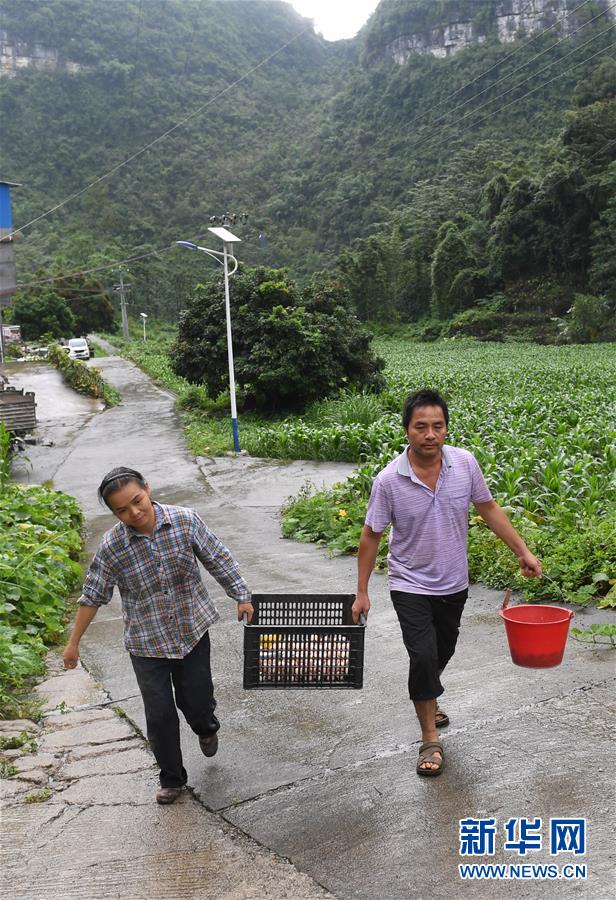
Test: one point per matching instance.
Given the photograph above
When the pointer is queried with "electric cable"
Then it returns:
(524, 65)
(259, 65)
(160, 137)
(518, 49)
(112, 265)
(120, 262)
(518, 99)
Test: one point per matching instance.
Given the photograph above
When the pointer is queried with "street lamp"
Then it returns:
(143, 318)
(228, 240)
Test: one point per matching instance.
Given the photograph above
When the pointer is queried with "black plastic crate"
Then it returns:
(303, 641)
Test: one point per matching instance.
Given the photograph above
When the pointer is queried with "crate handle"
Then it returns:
(362, 619)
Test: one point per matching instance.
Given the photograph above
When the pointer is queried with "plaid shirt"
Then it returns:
(165, 605)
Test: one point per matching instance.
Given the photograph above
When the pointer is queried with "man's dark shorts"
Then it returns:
(430, 626)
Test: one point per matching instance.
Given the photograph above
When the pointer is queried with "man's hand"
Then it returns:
(247, 608)
(71, 655)
(361, 605)
(530, 565)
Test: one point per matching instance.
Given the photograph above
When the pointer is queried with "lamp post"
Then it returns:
(228, 240)
(143, 318)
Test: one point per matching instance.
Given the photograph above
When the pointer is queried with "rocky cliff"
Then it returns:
(16, 55)
(442, 29)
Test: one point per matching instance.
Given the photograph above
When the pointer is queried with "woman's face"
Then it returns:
(132, 505)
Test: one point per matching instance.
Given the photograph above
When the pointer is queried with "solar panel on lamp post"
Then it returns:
(228, 240)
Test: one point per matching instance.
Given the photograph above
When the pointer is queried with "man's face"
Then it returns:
(132, 505)
(426, 432)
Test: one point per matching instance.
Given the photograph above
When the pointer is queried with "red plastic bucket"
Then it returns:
(537, 634)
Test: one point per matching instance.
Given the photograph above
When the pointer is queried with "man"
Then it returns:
(425, 494)
(151, 556)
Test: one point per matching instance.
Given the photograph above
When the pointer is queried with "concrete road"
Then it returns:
(327, 779)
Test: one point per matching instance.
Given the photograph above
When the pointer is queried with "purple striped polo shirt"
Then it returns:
(428, 539)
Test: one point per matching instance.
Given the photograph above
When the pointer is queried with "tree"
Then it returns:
(586, 320)
(291, 347)
(451, 256)
(603, 270)
(92, 312)
(43, 312)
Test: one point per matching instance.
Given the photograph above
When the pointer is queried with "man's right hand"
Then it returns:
(71, 656)
(361, 605)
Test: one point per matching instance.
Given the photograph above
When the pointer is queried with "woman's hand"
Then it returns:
(71, 655)
(247, 608)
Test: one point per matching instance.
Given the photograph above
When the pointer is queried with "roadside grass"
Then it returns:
(39, 796)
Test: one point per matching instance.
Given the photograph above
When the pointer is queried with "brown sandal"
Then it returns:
(442, 719)
(428, 753)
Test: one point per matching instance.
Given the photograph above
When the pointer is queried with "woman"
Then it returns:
(151, 556)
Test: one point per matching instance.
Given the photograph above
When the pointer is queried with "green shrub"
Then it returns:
(40, 544)
(291, 346)
(84, 379)
(588, 320)
(42, 311)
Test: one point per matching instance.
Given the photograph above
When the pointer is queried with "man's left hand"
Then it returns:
(247, 608)
(530, 565)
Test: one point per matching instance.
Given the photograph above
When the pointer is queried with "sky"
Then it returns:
(336, 19)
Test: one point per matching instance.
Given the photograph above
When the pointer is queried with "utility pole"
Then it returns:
(122, 288)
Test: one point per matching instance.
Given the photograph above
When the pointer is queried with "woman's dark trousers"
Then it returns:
(191, 680)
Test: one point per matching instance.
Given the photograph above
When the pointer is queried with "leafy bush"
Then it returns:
(42, 312)
(84, 379)
(596, 633)
(40, 543)
(589, 319)
(291, 347)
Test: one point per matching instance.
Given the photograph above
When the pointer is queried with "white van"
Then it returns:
(78, 348)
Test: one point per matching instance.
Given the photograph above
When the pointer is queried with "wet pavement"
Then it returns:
(327, 779)
(61, 413)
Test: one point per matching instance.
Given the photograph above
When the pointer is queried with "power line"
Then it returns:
(524, 81)
(84, 272)
(112, 265)
(117, 263)
(522, 46)
(524, 96)
(161, 136)
(500, 62)
(524, 65)
(267, 59)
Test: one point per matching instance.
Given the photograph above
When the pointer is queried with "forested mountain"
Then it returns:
(456, 155)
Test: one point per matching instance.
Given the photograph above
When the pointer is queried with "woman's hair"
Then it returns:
(117, 478)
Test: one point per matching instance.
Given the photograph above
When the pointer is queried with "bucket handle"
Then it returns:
(506, 598)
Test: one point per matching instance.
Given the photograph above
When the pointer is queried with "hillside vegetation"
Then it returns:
(478, 188)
